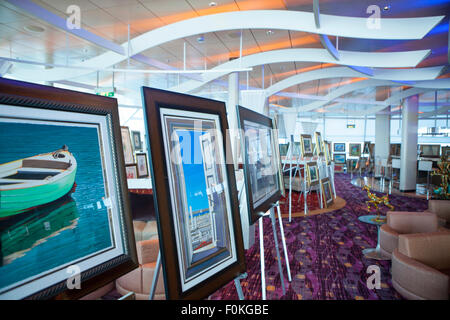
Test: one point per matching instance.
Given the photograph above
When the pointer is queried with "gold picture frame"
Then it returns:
(306, 145)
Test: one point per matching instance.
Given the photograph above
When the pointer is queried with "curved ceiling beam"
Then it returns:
(438, 84)
(392, 28)
(343, 72)
(365, 59)
(396, 97)
(343, 90)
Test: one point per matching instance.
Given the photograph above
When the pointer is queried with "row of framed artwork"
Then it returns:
(354, 148)
(136, 163)
(313, 179)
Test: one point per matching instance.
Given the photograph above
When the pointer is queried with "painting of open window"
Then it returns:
(261, 162)
(198, 221)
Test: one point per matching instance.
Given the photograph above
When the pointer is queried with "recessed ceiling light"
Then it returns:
(34, 29)
(387, 7)
(269, 32)
(212, 4)
(201, 39)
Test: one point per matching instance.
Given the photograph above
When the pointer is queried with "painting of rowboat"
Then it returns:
(52, 191)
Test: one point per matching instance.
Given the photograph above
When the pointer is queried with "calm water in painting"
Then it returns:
(71, 228)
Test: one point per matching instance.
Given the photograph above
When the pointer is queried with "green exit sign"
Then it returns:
(351, 126)
(106, 94)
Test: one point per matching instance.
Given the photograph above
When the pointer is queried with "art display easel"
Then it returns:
(237, 280)
(271, 213)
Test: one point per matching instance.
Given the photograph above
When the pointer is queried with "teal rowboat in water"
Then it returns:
(31, 182)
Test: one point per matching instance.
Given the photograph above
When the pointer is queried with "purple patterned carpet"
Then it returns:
(325, 253)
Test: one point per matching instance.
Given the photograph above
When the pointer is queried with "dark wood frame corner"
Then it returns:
(146, 163)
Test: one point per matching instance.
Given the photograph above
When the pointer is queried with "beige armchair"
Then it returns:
(402, 222)
(140, 280)
(442, 209)
(421, 266)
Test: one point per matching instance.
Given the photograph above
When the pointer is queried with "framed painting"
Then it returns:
(339, 147)
(261, 164)
(127, 145)
(132, 171)
(278, 156)
(312, 173)
(195, 193)
(430, 150)
(325, 185)
(142, 165)
(327, 152)
(340, 158)
(306, 145)
(137, 142)
(366, 148)
(320, 149)
(65, 221)
(354, 149)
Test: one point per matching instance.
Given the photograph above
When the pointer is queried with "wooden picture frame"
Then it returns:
(88, 128)
(340, 158)
(312, 173)
(203, 123)
(142, 165)
(306, 145)
(320, 148)
(327, 192)
(339, 147)
(261, 165)
(137, 141)
(128, 151)
(354, 149)
(132, 171)
(327, 152)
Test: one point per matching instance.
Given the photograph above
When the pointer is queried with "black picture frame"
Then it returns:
(137, 141)
(257, 210)
(339, 147)
(157, 105)
(142, 164)
(39, 105)
(338, 158)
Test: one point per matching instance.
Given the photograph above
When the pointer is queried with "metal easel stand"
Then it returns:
(271, 213)
(237, 282)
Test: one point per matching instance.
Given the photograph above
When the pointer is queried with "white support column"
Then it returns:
(248, 230)
(382, 135)
(408, 156)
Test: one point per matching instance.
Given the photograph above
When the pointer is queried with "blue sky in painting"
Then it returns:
(193, 169)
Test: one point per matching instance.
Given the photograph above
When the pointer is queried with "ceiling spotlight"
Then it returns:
(34, 29)
(201, 39)
(212, 4)
(269, 32)
(387, 7)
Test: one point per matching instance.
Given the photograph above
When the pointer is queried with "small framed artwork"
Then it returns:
(142, 165)
(127, 146)
(327, 146)
(64, 207)
(137, 142)
(339, 147)
(312, 173)
(366, 148)
(284, 149)
(306, 145)
(132, 172)
(262, 169)
(340, 158)
(194, 188)
(319, 144)
(354, 149)
(327, 193)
